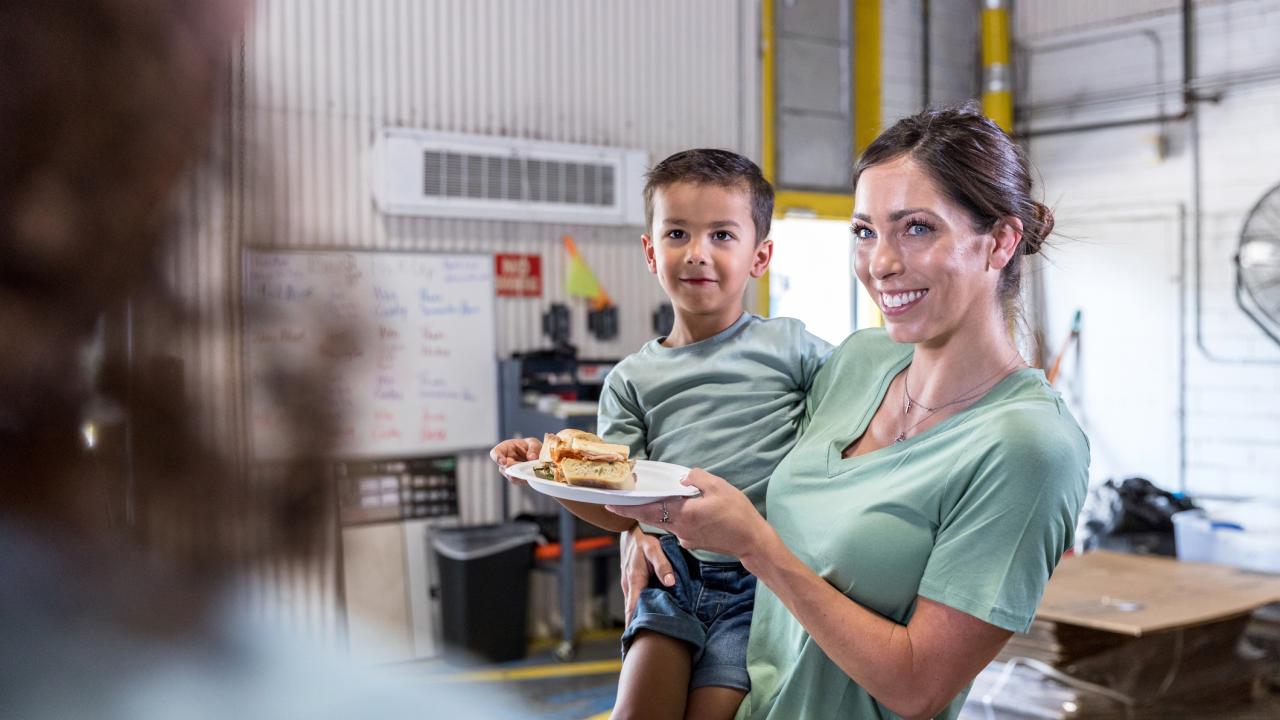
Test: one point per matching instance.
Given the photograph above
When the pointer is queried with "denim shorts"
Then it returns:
(709, 607)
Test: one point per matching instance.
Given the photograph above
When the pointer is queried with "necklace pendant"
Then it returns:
(901, 436)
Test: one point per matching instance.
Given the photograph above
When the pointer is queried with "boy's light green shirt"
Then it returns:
(732, 404)
(973, 513)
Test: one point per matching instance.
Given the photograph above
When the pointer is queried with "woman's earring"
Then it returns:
(988, 263)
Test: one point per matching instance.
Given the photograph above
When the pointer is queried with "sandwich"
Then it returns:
(576, 457)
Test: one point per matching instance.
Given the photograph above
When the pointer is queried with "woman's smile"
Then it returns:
(898, 302)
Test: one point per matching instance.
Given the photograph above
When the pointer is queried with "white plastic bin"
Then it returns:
(1193, 536)
(1245, 536)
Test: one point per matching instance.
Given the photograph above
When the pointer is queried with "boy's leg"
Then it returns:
(655, 678)
(712, 702)
(720, 680)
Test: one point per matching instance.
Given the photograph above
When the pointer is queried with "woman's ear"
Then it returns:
(1007, 234)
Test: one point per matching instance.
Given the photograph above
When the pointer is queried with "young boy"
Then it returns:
(725, 392)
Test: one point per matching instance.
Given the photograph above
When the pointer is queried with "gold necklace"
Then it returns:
(908, 402)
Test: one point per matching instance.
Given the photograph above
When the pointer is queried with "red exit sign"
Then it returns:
(517, 275)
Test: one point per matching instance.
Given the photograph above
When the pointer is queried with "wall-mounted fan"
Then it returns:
(1258, 264)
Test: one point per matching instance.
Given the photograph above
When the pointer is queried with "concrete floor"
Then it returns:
(547, 688)
(585, 687)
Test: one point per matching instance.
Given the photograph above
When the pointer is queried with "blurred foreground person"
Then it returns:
(118, 562)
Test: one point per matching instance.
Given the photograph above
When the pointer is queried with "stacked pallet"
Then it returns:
(1133, 636)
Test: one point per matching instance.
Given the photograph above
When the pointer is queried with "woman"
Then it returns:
(914, 525)
(120, 564)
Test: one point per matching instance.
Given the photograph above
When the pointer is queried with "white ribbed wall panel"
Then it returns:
(1043, 19)
(1039, 18)
(658, 75)
(1119, 204)
(316, 79)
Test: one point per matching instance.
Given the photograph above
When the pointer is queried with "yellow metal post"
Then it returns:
(768, 97)
(867, 33)
(827, 206)
(768, 127)
(866, 73)
(997, 96)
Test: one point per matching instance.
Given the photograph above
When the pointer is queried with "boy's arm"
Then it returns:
(618, 421)
(813, 352)
(598, 516)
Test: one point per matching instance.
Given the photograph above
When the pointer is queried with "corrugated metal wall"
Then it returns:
(316, 79)
(321, 77)
(954, 47)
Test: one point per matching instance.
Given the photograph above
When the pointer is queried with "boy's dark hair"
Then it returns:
(722, 168)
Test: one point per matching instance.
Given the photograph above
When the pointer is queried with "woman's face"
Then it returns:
(919, 257)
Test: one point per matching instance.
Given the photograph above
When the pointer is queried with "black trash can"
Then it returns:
(484, 586)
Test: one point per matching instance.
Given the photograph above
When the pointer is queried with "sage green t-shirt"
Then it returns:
(973, 513)
(732, 404)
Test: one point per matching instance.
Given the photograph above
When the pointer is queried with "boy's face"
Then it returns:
(703, 248)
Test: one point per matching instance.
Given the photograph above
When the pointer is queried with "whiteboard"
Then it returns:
(404, 344)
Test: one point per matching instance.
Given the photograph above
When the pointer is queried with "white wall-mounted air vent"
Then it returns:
(438, 174)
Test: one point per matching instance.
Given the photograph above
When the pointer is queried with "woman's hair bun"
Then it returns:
(1033, 238)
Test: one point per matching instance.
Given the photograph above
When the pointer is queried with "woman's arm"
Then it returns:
(914, 670)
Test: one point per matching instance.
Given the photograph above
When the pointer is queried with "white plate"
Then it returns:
(654, 481)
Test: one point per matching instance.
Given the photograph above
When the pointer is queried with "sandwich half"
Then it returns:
(596, 474)
(575, 457)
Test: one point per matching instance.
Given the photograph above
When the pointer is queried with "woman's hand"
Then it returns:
(639, 552)
(721, 520)
(510, 452)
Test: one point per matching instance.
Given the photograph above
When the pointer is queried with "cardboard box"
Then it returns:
(1142, 594)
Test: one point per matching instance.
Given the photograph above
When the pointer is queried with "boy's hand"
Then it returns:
(640, 551)
(510, 452)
